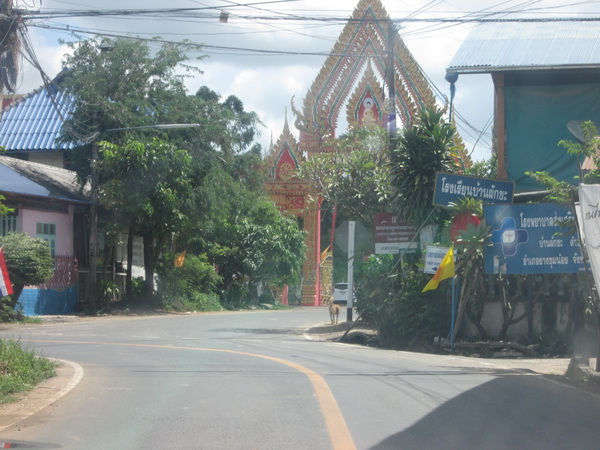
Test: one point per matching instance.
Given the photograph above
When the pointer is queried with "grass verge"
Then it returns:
(20, 370)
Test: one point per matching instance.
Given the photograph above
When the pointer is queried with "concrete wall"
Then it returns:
(492, 320)
(39, 302)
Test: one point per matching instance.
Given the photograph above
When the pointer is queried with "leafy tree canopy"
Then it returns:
(146, 186)
(245, 235)
(355, 176)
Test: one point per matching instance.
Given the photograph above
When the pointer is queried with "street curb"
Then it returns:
(68, 375)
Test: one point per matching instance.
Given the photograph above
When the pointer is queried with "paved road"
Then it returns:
(254, 381)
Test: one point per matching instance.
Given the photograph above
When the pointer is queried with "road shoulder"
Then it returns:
(68, 375)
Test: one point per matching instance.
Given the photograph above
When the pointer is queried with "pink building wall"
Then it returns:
(28, 219)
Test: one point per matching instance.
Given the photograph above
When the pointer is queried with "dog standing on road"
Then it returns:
(334, 312)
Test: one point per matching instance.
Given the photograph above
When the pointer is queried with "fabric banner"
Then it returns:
(5, 284)
(446, 270)
(589, 200)
(179, 259)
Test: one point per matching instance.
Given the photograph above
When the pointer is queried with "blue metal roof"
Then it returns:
(31, 179)
(508, 46)
(33, 122)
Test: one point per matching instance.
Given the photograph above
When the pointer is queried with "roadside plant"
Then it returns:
(376, 283)
(20, 369)
(191, 287)
(409, 319)
(28, 261)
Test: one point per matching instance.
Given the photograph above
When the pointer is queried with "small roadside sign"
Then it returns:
(434, 258)
(393, 235)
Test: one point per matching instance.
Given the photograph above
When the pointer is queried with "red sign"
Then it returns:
(393, 235)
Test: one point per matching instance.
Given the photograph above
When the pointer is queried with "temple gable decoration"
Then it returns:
(354, 74)
(285, 164)
(285, 189)
(365, 107)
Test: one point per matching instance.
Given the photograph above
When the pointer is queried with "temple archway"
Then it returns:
(353, 80)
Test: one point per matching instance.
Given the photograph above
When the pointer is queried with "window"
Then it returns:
(47, 231)
(8, 224)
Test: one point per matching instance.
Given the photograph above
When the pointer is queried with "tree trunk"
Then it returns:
(152, 251)
(128, 284)
(149, 263)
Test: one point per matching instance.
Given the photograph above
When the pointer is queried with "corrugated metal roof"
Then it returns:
(506, 46)
(32, 123)
(40, 180)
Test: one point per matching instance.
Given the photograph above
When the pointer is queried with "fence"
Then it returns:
(65, 273)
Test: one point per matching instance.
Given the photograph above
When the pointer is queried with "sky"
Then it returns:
(270, 51)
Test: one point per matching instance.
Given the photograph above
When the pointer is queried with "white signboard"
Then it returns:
(434, 258)
(393, 248)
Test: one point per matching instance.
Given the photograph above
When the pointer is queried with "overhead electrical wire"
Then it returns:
(502, 12)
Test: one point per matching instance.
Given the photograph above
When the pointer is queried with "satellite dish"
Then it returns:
(575, 127)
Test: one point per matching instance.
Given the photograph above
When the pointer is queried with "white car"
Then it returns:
(340, 294)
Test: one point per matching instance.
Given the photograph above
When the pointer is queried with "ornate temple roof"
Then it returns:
(361, 52)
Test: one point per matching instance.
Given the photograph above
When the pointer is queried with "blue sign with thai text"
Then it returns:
(530, 239)
(449, 188)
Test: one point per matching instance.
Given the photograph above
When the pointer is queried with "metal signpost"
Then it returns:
(351, 225)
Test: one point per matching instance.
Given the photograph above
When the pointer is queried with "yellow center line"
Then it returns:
(339, 434)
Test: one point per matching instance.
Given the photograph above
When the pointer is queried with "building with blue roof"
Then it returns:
(546, 75)
(31, 125)
(47, 199)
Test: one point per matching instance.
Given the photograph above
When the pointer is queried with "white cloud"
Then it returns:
(266, 83)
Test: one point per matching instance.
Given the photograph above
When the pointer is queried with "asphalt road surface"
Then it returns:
(254, 380)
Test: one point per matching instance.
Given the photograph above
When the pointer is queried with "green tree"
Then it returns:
(422, 150)
(565, 193)
(116, 84)
(244, 235)
(120, 84)
(146, 186)
(28, 261)
(485, 169)
(355, 176)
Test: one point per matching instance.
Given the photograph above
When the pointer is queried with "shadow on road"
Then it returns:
(485, 417)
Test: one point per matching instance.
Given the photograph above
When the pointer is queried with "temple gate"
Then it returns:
(353, 76)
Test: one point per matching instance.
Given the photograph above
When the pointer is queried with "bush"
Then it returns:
(8, 313)
(28, 261)
(375, 285)
(554, 343)
(190, 287)
(411, 319)
(20, 370)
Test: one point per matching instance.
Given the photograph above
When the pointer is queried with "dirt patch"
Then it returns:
(347, 332)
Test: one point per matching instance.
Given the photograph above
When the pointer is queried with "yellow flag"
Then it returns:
(178, 262)
(446, 270)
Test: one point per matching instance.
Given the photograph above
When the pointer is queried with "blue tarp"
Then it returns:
(536, 120)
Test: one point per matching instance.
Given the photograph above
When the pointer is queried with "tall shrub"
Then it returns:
(190, 287)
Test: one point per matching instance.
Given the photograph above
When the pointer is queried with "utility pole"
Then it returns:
(93, 245)
(391, 82)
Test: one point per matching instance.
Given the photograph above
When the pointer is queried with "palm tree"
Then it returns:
(423, 149)
(11, 29)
